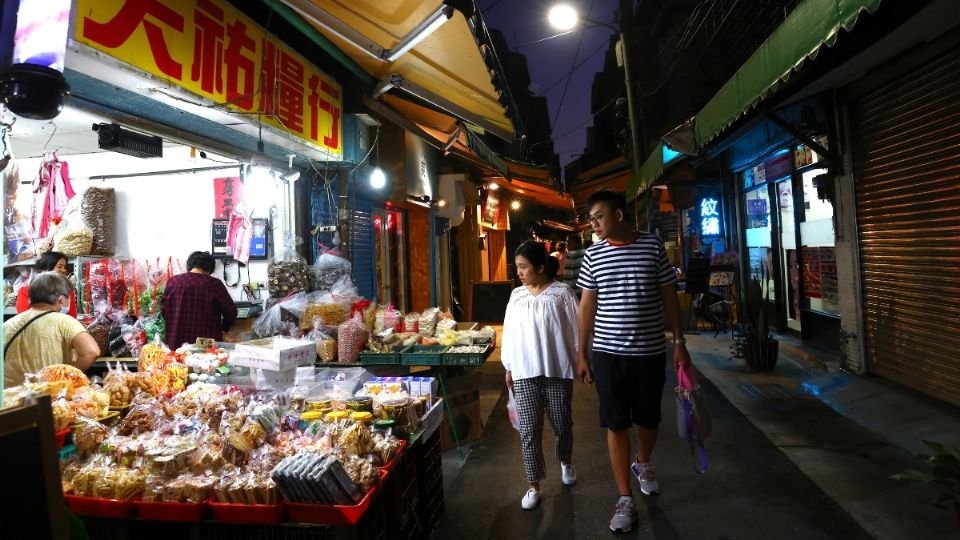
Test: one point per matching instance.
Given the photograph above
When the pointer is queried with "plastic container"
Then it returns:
(370, 358)
(423, 355)
(329, 514)
(247, 513)
(61, 437)
(466, 359)
(172, 511)
(97, 507)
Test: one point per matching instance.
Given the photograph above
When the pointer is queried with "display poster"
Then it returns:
(759, 174)
(829, 289)
(210, 49)
(227, 193)
(491, 209)
(811, 273)
(748, 178)
(778, 166)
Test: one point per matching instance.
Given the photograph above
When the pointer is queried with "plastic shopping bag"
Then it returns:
(512, 410)
(693, 417)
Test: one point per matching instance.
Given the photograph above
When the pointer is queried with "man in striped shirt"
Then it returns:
(627, 284)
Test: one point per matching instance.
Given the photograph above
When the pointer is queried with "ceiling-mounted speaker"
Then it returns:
(33, 91)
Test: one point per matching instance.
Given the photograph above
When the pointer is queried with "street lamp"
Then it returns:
(564, 18)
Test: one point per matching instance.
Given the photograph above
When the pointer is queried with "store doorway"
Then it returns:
(390, 247)
(789, 262)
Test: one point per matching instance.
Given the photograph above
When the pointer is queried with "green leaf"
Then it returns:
(937, 448)
(913, 475)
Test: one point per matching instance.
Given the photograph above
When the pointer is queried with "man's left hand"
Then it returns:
(681, 356)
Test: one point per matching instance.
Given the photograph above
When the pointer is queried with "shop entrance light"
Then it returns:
(377, 178)
(515, 205)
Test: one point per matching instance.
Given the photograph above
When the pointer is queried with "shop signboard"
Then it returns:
(227, 193)
(711, 217)
(210, 49)
(778, 166)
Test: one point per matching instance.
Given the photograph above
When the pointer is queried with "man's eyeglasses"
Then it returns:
(595, 218)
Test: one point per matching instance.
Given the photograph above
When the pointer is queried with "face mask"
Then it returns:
(65, 309)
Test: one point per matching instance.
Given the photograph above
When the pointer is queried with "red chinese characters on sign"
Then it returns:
(318, 103)
(208, 48)
(208, 33)
(227, 193)
(237, 62)
(118, 30)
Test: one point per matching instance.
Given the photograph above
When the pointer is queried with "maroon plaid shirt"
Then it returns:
(196, 305)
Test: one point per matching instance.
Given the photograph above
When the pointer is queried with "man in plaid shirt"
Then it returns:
(196, 304)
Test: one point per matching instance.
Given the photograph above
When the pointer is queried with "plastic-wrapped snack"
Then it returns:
(410, 322)
(98, 209)
(198, 488)
(174, 490)
(351, 339)
(355, 440)
(127, 483)
(385, 447)
(153, 488)
(62, 416)
(64, 372)
(88, 436)
(428, 322)
(362, 472)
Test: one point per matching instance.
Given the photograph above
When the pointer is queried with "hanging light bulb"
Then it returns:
(515, 205)
(377, 178)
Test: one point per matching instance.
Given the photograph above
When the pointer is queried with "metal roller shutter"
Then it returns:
(362, 245)
(907, 169)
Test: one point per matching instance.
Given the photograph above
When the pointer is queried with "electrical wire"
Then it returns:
(577, 66)
(585, 122)
(573, 66)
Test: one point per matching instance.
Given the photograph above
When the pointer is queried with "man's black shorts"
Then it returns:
(630, 389)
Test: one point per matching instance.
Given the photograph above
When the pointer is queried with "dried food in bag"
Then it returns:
(351, 339)
(99, 208)
(330, 268)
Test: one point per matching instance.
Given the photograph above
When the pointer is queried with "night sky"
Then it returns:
(523, 22)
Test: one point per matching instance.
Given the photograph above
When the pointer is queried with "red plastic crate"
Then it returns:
(388, 467)
(172, 511)
(247, 513)
(97, 507)
(330, 514)
(61, 437)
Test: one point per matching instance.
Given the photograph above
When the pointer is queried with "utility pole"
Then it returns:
(628, 52)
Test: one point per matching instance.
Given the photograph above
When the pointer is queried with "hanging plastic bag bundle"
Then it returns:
(693, 418)
(331, 267)
(73, 238)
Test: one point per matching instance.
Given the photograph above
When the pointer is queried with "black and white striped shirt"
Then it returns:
(627, 278)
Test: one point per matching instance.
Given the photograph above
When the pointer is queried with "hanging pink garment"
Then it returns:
(51, 193)
(239, 234)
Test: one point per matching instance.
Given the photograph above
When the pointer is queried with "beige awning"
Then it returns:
(453, 68)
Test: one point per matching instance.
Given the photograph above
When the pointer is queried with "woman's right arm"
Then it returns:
(86, 349)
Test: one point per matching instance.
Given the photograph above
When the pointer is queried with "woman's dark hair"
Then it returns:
(536, 253)
(202, 260)
(562, 247)
(48, 261)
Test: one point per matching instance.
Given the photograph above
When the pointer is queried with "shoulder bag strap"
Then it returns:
(22, 328)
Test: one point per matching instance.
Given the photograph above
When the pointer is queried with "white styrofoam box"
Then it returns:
(432, 419)
(282, 354)
(301, 376)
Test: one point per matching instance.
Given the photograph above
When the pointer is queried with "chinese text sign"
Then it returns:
(208, 48)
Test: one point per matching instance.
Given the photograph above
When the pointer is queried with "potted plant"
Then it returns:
(761, 349)
(944, 472)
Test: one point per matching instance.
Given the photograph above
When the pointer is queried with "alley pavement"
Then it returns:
(752, 489)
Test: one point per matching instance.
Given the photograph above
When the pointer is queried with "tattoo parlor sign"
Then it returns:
(210, 49)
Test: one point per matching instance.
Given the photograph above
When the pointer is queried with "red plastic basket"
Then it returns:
(97, 507)
(330, 514)
(247, 513)
(61, 437)
(390, 465)
(172, 511)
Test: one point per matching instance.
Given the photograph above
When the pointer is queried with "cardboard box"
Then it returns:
(275, 354)
(465, 415)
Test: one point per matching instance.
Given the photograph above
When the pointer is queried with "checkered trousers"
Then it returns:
(534, 396)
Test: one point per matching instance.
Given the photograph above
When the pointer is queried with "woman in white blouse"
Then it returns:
(538, 350)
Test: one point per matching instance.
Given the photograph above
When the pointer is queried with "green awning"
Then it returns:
(809, 26)
(651, 169)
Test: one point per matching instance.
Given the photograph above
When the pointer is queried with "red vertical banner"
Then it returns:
(227, 193)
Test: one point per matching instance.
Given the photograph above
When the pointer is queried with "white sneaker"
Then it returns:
(531, 500)
(568, 474)
(647, 475)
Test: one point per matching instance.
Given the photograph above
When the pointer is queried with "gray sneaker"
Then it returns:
(647, 476)
(626, 516)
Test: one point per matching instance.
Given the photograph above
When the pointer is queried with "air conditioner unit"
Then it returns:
(120, 139)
